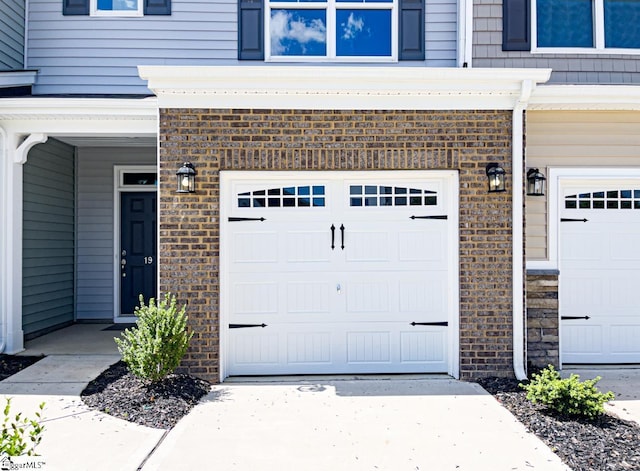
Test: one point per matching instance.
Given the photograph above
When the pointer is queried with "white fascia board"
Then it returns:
(80, 116)
(585, 97)
(335, 87)
(20, 78)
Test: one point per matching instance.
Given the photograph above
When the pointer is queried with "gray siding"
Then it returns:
(441, 33)
(95, 245)
(11, 35)
(567, 68)
(48, 237)
(82, 55)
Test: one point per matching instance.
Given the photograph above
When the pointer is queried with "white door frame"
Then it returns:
(118, 189)
(559, 179)
(450, 178)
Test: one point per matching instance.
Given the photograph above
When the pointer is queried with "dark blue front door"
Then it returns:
(138, 249)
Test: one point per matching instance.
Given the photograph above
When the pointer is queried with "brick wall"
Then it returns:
(215, 140)
(543, 341)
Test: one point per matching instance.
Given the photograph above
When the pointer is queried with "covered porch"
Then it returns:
(66, 166)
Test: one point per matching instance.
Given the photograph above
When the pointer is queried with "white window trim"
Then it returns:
(93, 11)
(330, 6)
(558, 179)
(598, 31)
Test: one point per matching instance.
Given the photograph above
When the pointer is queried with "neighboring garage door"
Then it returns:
(338, 272)
(599, 271)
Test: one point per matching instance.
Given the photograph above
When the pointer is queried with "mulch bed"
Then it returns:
(11, 364)
(607, 443)
(159, 405)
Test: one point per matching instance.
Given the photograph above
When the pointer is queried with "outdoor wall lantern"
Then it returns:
(496, 176)
(186, 178)
(535, 182)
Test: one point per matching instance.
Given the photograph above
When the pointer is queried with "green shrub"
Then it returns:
(154, 348)
(568, 396)
(20, 435)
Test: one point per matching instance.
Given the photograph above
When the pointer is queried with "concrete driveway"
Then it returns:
(392, 423)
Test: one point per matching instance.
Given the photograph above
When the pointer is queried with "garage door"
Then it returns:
(599, 272)
(337, 272)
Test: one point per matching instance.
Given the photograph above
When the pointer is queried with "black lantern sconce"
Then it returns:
(496, 176)
(186, 178)
(535, 182)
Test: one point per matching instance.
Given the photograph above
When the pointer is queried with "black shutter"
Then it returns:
(250, 30)
(516, 25)
(75, 7)
(411, 30)
(157, 7)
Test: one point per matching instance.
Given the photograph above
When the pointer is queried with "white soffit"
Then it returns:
(334, 87)
(64, 116)
(585, 97)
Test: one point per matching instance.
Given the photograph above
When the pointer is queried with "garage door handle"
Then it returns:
(333, 236)
(573, 220)
(342, 235)
(573, 318)
(441, 324)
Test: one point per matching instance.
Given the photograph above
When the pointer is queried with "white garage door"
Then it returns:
(337, 272)
(599, 272)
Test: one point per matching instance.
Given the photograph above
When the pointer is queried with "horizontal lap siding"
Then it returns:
(11, 35)
(84, 55)
(95, 256)
(575, 139)
(81, 54)
(441, 33)
(48, 237)
(567, 68)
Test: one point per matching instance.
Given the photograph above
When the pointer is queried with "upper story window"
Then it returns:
(594, 25)
(332, 30)
(116, 7)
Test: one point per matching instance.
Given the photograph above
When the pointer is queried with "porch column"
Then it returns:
(15, 156)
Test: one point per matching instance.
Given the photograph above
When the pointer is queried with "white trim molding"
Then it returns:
(586, 97)
(334, 87)
(118, 189)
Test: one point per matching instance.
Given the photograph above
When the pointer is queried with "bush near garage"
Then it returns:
(568, 396)
(154, 348)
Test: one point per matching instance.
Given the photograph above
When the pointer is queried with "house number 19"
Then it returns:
(148, 260)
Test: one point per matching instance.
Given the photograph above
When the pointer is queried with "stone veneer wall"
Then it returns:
(543, 341)
(263, 140)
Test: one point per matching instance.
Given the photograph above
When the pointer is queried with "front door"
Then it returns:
(137, 249)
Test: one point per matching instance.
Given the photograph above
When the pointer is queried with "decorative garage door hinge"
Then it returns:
(245, 326)
(245, 219)
(573, 318)
(443, 216)
(442, 324)
(573, 220)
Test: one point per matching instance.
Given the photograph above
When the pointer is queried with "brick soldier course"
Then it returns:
(263, 140)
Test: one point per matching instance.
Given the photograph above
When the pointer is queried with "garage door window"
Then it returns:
(380, 195)
(609, 199)
(305, 196)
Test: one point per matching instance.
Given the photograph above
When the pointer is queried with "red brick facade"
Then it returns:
(263, 140)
